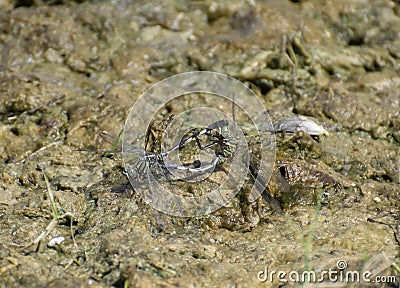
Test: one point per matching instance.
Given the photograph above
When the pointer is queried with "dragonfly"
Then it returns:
(218, 138)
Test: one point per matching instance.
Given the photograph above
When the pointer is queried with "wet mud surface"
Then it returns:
(72, 70)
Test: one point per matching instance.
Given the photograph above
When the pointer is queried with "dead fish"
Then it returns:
(299, 123)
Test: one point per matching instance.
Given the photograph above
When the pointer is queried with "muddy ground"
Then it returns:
(71, 70)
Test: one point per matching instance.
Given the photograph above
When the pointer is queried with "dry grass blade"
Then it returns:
(56, 216)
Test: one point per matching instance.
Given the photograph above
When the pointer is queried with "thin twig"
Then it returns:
(56, 214)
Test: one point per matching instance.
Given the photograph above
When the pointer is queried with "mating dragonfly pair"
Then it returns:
(215, 138)
(159, 163)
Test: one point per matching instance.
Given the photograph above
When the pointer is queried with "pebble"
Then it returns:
(56, 241)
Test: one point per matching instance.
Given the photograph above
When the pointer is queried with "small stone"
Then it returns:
(56, 241)
(377, 199)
